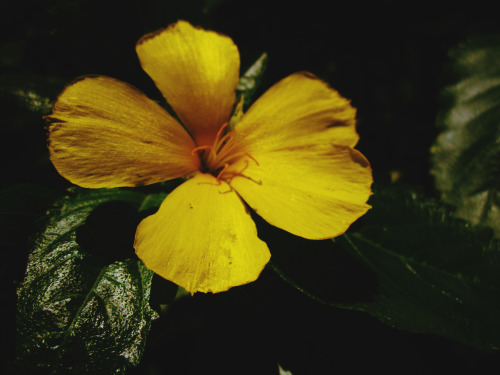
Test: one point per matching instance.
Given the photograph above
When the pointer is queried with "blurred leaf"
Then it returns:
(466, 155)
(247, 85)
(283, 372)
(249, 81)
(32, 92)
(76, 314)
(429, 272)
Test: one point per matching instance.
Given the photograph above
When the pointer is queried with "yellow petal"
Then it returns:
(105, 133)
(197, 72)
(298, 110)
(202, 238)
(314, 192)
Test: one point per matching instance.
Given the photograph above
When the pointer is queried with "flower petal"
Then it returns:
(197, 72)
(314, 192)
(298, 110)
(202, 238)
(105, 133)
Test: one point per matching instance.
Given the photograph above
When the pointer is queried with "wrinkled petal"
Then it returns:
(298, 110)
(197, 72)
(105, 133)
(202, 238)
(314, 192)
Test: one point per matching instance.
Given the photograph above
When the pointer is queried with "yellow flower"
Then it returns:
(290, 157)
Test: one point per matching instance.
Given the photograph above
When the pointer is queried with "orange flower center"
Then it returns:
(218, 157)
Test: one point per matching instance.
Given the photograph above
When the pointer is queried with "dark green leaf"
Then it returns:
(410, 265)
(31, 92)
(77, 314)
(249, 82)
(152, 201)
(466, 156)
(247, 86)
(21, 207)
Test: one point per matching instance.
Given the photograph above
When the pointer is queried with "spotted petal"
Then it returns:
(202, 238)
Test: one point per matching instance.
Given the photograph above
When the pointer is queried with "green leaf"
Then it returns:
(152, 201)
(249, 82)
(34, 93)
(466, 155)
(76, 313)
(247, 85)
(410, 265)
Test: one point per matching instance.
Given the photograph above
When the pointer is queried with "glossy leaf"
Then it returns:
(466, 154)
(410, 265)
(76, 313)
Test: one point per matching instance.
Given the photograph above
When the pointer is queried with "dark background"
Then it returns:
(390, 58)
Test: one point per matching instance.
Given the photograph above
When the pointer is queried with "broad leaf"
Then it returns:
(466, 155)
(78, 312)
(410, 265)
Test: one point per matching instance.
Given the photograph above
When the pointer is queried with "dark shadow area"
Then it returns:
(109, 232)
(321, 268)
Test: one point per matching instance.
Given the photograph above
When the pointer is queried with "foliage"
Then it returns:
(420, 270)
(78, 313)
(85, 303)
(465, 155)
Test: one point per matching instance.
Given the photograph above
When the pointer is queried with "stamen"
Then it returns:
(251, 157)
(224, 141)
(200, 148)
(219, 156)
(219, 133)
(221, 172)
(240, 174)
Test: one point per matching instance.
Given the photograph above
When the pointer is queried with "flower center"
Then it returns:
(218, 157)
